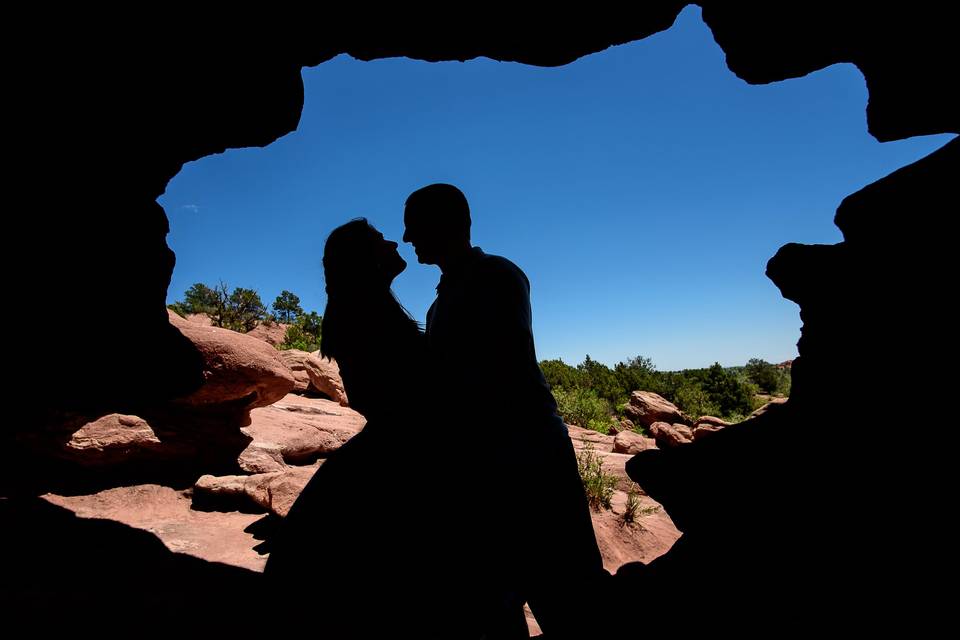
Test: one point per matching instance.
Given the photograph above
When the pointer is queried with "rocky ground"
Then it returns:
(217, 518)
(285, 413)
(223, 518)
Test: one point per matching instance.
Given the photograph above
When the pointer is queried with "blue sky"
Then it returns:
(642, 189)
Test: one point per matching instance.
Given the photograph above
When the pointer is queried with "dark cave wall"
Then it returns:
(105, 116)
(906, 53)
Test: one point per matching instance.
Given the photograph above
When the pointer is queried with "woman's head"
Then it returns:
(357, 258)
(359, 265)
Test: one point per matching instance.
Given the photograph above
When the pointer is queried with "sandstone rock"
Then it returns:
(711, 420)
(646, 407)
(195, 434)
(533, 627)
(612, 463)
(648, 538)
(262, 457)
(238, 369)
(683, 430)
(277, 493)
(626, 424)
(702, 430)
(112, 438)
(325, 377)
(632, 443)
(303, 428)
(163, 445)
(200, 318)
(667, 435)
(168, 514)
(599, 441)
(273, 492)
(273, 333)
(295, 360)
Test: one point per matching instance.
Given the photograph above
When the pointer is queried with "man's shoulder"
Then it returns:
(498, 266)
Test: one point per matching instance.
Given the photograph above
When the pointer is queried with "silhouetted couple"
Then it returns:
(460, 500)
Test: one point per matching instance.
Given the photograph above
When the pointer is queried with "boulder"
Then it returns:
(169, 515)
(110, 439)
(668, 435)
(296, 361)
(325, 377)
(703, 430)
(711, 420)
(271, 492)
(599, 441)
(632, 443)
(303, 428)
(239, 370)
(273, 333)
(262, 457)
(646, 408)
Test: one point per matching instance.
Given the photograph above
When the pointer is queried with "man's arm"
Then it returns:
(501, 323)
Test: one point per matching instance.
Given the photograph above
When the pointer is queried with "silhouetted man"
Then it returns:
(534, 537)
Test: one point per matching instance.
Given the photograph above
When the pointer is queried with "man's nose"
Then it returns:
(406, 236)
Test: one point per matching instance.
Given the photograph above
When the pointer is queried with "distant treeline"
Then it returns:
(242, 310)
(591, 394)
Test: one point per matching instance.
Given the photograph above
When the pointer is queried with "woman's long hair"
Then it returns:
(360, 302)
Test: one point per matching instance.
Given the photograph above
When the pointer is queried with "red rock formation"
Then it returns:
(273, 333)
(632, 443)
(670, 435)
(304, 430)
(646, 408)
(325, 377)
(237, 369)
(315, 373)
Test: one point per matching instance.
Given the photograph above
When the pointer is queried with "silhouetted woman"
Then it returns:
(364, 550)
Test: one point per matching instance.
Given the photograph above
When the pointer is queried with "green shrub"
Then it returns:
(179, 308)
(560, 375)
(637, 374)
(597, 484)
(239, 311)
(786, 382)
(583, 408)
(287, 307)
(726, 393)
(295, 338)
(642, 430)
(633, 505)
(634, 511)
(304, 334)
(602, 380)
(694, 401)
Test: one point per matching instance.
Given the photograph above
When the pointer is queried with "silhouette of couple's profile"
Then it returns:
(460, 500)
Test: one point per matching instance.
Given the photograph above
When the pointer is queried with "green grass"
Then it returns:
(597, 483)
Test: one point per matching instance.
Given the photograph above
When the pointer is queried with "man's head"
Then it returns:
(436, 222)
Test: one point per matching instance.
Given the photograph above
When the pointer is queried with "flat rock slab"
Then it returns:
(167, 513)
